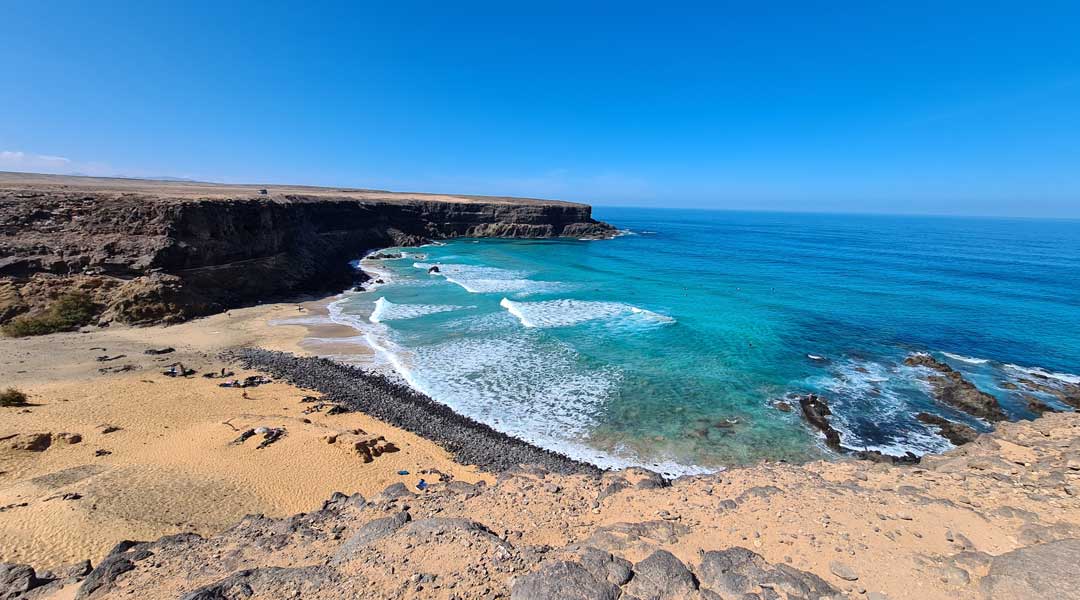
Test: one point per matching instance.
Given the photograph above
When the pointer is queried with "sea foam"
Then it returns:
(477, 279)
(968, 359)
(1040, 372)
(872, 410)
(566, 312)
(386, 310)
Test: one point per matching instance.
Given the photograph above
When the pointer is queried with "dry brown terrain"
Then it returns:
(41, 183)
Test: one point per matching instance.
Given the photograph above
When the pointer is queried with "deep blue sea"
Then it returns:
(670, 346)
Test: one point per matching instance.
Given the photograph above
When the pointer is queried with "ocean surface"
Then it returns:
(670, 346)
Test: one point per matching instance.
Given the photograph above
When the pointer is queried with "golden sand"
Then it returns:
(170, 466)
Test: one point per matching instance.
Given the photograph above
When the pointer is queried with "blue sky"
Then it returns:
(924, 107)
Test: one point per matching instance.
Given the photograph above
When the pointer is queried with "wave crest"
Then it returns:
(567, 312)
(386, 310)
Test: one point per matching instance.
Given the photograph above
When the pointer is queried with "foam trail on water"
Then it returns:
(567, 312)
(1040, 372)
(968, 359)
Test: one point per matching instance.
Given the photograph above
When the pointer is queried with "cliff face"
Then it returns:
(150, 252)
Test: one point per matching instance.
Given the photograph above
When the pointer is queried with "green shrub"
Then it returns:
(12, 397)
(70, 311)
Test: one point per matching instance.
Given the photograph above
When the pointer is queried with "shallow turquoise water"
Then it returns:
(669, 346)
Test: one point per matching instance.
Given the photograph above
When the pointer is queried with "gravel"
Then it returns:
(469, 441)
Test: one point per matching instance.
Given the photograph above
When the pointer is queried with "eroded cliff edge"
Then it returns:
(150, 251)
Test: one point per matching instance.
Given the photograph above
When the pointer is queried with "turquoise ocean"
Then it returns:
(670, 345)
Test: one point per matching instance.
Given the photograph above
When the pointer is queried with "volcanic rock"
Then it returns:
(952, 389)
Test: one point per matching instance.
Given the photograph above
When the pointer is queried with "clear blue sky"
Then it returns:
(928, 107)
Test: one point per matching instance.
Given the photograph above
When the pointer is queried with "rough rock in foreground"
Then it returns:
(997, 518)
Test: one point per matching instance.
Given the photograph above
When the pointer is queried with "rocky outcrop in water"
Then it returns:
(1065, 391)
(957, 433)
(164, 252)
(816, 412)
(952, 389)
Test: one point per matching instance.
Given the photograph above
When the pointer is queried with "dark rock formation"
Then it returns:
(471, 442)
(816, 412)
(736, 572)
(952, 389)
(563, 580)
(661, 575)
(15, 580)
(164, 252)
(957, 433)
(1067, 392)
(732, 573)
(1038, 406)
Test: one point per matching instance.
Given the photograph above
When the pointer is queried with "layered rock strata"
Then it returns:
(149, 252)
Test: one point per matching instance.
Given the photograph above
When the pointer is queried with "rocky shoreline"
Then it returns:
(997, 519)
(469, 441)
(149, 252)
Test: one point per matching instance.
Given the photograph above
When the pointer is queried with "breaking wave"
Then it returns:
(567, 312)
(968, 359)
(491, 280)
(386, 310)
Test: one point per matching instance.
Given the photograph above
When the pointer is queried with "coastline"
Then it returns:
(170, 466)
(323, 364)
(946, 520)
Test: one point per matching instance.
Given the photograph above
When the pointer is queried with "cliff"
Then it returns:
(149, 251)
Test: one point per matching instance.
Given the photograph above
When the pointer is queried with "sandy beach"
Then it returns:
(153, 455)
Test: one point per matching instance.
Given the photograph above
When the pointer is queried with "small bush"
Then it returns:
(12, 397)
(70, 311)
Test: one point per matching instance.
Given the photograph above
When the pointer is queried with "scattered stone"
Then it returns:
(1038, 406)
(68, 438)
(815, 410)
(31, 442)
(843, 571)
(954, 576)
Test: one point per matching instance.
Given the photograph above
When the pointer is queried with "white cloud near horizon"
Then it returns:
(17, 160)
